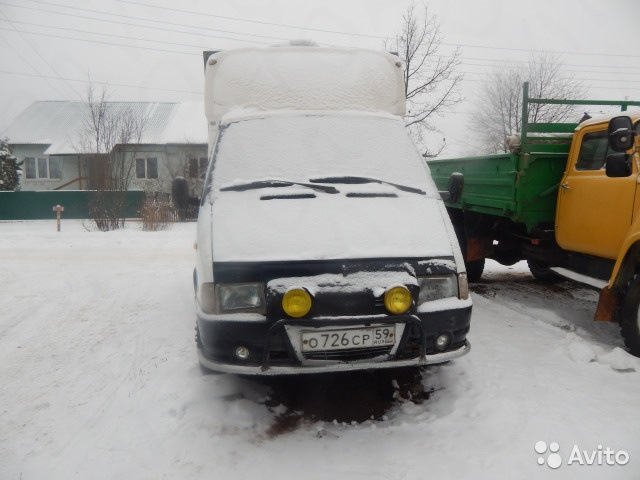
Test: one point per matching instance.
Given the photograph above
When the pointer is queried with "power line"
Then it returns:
(569, 71)
(580, 65)
(591, 87)
(201, 14)
(513, 49)
(127, 37)
(25, 60)
(200, 47)
(6, 72)
(142, 19)
(107, 43)
(124, 45)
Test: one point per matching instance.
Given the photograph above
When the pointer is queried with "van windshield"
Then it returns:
(303, 149)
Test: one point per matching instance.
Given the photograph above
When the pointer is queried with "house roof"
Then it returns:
(60, 124)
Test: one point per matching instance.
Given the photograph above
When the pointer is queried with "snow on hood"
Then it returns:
(326, 226)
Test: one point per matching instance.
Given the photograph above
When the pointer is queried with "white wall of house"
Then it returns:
(45, 172)
(153, 167)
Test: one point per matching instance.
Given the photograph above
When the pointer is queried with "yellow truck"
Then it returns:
(566, 200)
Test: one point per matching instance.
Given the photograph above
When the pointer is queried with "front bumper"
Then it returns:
(274, 349)
(431, 359)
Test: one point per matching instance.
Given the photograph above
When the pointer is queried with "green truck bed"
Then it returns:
(521, 186)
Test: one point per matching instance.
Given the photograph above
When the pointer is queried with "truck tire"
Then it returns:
(630, 317)
(474, 270)
(542, 272)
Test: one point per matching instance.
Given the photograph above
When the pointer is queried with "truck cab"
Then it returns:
(595, 210)
(565, 199)
(322, 242)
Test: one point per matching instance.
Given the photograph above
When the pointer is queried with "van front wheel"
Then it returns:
(630, 317)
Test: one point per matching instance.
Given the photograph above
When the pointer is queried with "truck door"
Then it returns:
(594, 211)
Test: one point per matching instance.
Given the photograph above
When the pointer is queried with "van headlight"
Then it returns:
(241, 297)
(232, 297)
(435, 287)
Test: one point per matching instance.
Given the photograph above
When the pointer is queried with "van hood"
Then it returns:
(265, 225)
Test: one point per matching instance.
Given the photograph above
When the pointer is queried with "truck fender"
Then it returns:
(623, 272)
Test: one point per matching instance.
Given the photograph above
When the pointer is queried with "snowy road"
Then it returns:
(99, 379)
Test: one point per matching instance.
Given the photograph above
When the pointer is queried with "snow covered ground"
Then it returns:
(99, 379)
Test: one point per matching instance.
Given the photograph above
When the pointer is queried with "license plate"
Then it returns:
(346, 339)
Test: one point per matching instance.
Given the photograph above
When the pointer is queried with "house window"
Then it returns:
(197, 167)
(55, 168)
(42, 168)
(147, 168)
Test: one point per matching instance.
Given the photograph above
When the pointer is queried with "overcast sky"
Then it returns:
(152, 49)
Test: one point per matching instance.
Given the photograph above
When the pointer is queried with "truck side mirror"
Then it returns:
(456, 182)
(621, 134)
(618, 165)
(454, 192)
(180, 194)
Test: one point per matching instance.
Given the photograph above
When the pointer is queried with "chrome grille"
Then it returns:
(347, 355)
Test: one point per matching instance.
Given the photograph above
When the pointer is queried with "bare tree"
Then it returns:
(107, 125)
(498, 111)
(431, 80)
(109, 137)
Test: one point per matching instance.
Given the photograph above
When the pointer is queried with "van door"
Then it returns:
(594, 211)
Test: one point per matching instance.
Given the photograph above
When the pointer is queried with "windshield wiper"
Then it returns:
(243, 187)
(351, 180)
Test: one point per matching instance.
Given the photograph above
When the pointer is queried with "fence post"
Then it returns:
(58, 209)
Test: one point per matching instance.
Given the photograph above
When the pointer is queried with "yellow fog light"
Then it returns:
(397, 300)
(296, 302)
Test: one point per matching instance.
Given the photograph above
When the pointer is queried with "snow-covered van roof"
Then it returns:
(303, 78)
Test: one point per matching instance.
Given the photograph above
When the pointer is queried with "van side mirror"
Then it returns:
(618, 165)
(180, 194)
(621, 134)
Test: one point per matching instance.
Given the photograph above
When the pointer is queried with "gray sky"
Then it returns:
(152, 49)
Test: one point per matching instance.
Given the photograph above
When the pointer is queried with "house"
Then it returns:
(161, 140)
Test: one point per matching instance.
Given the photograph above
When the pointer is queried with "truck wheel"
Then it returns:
(542, 271)
(630, 317)
(474, 270)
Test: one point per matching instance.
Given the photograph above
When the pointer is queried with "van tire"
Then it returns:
(542, 272)
(630, 317)
(474, 270)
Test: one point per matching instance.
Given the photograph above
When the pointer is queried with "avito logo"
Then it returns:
(600, 456)
(554, 460)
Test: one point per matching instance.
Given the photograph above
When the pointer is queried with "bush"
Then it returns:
(157, 215)
(10, 171)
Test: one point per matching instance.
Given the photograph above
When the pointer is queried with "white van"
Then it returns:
(323, 244)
